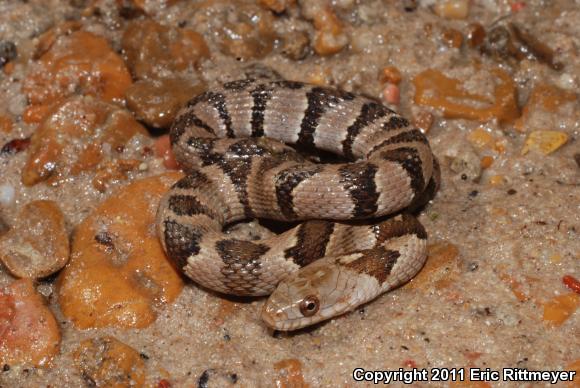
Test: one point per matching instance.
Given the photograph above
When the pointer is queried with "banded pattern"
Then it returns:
(231, 141)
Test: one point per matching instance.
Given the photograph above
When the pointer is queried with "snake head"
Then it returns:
(317, 292)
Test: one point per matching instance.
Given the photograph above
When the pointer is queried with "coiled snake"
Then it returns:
(224, 139)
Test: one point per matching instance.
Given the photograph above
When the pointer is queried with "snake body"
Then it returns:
(230, 141)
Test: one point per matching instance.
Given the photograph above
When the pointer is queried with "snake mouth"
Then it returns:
(286, 325)
(275, 318)
(268, 319)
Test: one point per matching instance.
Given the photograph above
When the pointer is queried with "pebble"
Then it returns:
(87, 62)
(7, 194)
(330, 37)
(567, 81)
(37, 245)
(391, 94)
(152, 49)
(452, 9)
(29, 333)
(156, 102)
(246, 31)
(118, 274)
(70, 139)
(295, 45)
(467, 163)
(108, 362)
(545, 142)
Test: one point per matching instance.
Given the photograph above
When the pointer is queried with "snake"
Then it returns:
(249, 151)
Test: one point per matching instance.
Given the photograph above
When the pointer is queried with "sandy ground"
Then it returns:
(504, 243)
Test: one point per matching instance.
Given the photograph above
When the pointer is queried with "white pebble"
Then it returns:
(7, 194)
(567, 81)
(106, 147)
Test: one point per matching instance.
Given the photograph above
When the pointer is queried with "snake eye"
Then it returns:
(309, 305)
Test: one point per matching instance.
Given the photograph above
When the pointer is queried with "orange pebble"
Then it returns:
(392, 94)
(9, 68)
(496, 180)
(572, 283)
(290, 373)
(69, 138)
(118, 274)
(558, 309)
(5, 124)
(110, 363)
(163, 150)
(79, 63)
(486, 162)
(28, 330)
(330, 37)
(391, 74)
(518, 6)
(163, 383)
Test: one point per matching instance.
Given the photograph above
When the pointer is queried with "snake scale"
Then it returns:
(234, 144)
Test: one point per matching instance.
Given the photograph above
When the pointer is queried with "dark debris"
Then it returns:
(512, 43)
(7, 52)
(15, 146)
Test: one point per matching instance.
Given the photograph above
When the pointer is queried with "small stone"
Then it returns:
(473, 266)
(7, 195)
(37, 245)
(424, 121)
(289, 373)
(156, 102)
(79, 63)
(70, 138)
(390, 74)
(452, 38)
(15, 146)
(467, 165)
(216, 378)
(475, 35)
(29, 333)
(107, 361)
(295, 45)
(452, 9)
(330, 37)
(152, 49)
(118, 275)
(246, 31)
(544, 142)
